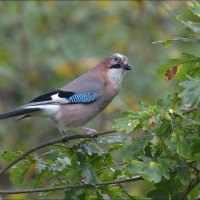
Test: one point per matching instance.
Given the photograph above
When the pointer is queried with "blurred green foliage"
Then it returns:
(44, 44)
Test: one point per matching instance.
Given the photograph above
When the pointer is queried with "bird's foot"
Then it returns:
(63, 133)
(89, 131)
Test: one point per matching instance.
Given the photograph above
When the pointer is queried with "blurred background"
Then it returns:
(44, 44)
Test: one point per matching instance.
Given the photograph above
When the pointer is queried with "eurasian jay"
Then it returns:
(76, 103)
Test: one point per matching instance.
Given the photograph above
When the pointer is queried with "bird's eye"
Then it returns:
(116, 59)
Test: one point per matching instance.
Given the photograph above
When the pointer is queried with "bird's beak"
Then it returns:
(127, 67)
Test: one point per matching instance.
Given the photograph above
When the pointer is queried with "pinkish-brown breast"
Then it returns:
(77, 115)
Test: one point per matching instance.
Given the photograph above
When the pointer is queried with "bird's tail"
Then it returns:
(19, 112)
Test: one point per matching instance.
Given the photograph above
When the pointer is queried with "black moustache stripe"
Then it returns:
(116, 66)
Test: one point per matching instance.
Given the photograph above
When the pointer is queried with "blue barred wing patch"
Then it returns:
(83, 97)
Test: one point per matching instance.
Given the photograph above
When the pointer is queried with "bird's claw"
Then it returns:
(89, 131)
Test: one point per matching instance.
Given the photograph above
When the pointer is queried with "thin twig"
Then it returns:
(110, 166)
(189, 188)
(54, 188)
(52, 142)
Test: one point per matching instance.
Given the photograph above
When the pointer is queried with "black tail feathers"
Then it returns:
(19, 112)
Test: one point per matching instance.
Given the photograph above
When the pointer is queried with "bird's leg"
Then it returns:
(60, 128)
(89, 130)
(63, 133)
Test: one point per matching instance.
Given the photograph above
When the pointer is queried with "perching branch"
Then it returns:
(136, 178)
(190, 187)
(64, 139)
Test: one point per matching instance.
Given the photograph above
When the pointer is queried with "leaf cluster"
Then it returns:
(168, 151)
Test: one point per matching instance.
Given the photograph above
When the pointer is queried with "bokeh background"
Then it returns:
(45, 44)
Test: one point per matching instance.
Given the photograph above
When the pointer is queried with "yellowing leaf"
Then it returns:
(170, 73)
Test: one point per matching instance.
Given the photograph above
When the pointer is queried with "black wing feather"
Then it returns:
(48, 96)
(44, 97)
(19, 112)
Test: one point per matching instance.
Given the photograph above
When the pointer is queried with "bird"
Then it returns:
(76, 103)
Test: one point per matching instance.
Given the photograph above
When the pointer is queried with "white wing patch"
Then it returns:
(50, 110)
(55, 97)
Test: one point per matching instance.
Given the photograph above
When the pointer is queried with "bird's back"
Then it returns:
(88, 82)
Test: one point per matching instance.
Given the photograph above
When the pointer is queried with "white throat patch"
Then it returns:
(115, 76)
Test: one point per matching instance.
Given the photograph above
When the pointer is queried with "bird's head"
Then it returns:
(119, 61)
(116, 65)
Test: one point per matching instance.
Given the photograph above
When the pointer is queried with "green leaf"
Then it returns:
(114, 192)
(195, 193)
(60, 164)
(132, 120)
(64, 161)
(166, 189)
(18, 172)
(149, 171)
(192, 26)
(182, 148)
(188, 14)
(166, 166)
(169, 41)
(87, 173)
(108, 174)
(183, 174)
(136, 148)
(91, 149)
(196, 157)
(194, 146)
(154, 172)
(99, 195)
(75, 194)
(40, 167)
(86, 170)
(8, 156)
(127, 125)
(194, 7)
(190, 91)
(38, 180)
(112, 139)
